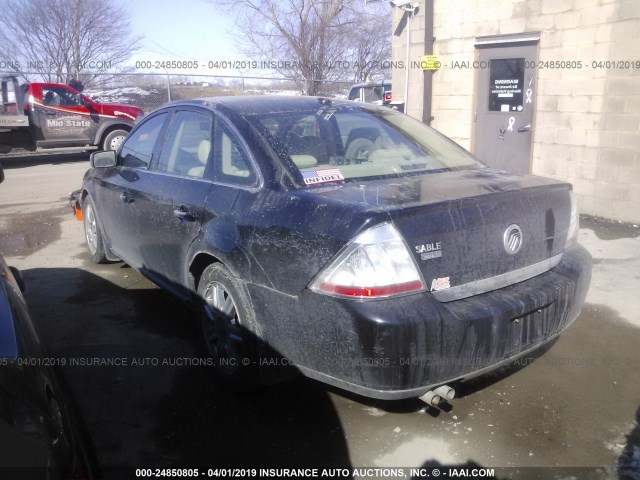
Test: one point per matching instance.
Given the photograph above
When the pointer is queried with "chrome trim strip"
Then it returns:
(486, 285)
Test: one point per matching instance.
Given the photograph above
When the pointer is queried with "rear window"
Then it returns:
(370, 94)
(343, 143)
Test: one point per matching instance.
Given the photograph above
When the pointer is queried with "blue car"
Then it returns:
(344, 239)
(42, 436)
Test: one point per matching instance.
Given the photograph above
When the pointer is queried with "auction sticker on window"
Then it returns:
(325, 175)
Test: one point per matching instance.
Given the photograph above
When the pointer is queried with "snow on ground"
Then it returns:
(281, 92)
(116, 95)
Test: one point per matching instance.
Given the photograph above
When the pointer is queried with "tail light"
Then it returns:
(574, 222)
(376, 264)
(387, 96)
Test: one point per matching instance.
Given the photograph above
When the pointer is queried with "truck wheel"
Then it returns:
(114, 139)
(227, 323)
(92, 232)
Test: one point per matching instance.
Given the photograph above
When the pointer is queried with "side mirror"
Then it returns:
(103, 159)
(85, 101)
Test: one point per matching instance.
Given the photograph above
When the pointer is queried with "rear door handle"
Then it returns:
(126, 198)
(184, 214)
(526, 128)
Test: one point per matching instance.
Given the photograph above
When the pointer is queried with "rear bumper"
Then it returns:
(402, 347)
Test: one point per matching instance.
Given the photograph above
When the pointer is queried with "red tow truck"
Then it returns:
(53, 116)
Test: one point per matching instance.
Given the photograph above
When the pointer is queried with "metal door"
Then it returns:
(505, 102)
(118, 189)
(63, 119)
(169, 202)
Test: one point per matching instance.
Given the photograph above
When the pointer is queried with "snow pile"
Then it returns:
(117, 95)
(281, 92)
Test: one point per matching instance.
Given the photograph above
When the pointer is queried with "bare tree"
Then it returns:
(311, 42)
(371, 47)
(65, 39)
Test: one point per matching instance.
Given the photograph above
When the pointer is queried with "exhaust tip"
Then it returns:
(446, 392)
(431, 398)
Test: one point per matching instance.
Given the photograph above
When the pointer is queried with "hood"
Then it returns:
(127, 112)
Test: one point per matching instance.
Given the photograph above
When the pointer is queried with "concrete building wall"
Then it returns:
(587, 121)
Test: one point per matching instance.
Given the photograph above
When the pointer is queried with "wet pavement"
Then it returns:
(575, 405)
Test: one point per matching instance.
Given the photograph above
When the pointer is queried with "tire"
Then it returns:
(228, 325)
(114, 139)
(359, 149)
(93, 232)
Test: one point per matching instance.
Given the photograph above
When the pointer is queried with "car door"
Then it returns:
(118, 191)
(229, 212)
(64, 119)
(169, 207)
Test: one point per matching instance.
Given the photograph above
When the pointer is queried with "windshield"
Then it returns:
(370, 94)
(337, 143)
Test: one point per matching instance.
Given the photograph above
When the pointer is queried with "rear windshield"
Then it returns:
(370, 93)
(343, 143)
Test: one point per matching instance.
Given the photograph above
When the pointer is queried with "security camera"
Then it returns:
(400, 3)
(406, 5)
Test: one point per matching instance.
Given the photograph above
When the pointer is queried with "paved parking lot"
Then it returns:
(577, 405)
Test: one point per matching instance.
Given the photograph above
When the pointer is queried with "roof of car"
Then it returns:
(386, 83)
(267, 103)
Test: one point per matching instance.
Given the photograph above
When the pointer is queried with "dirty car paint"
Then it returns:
(277, 234)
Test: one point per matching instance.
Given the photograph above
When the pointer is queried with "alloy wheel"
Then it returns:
(91, 229)
(221, 329)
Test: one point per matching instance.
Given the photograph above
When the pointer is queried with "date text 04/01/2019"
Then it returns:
(363, 472)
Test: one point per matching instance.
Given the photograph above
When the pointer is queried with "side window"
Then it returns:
(58, 96)
(186, 149)
(373, 94)
(137, 149)
(354, 94)
(306, 127)
(231, 162)
(312, 140)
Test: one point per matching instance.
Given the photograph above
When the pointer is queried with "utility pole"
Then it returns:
(76, 40)
(428, 74)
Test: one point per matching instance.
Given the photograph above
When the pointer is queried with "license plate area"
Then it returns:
(530, 329)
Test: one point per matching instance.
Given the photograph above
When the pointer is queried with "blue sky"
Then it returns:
(182, 30)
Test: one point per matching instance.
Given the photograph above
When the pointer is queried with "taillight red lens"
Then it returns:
(376, 264)
(370, 292)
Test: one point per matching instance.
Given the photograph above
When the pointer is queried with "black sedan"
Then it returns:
(347, 240)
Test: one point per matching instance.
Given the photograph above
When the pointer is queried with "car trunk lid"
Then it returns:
(488, 237)
(455, 224)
